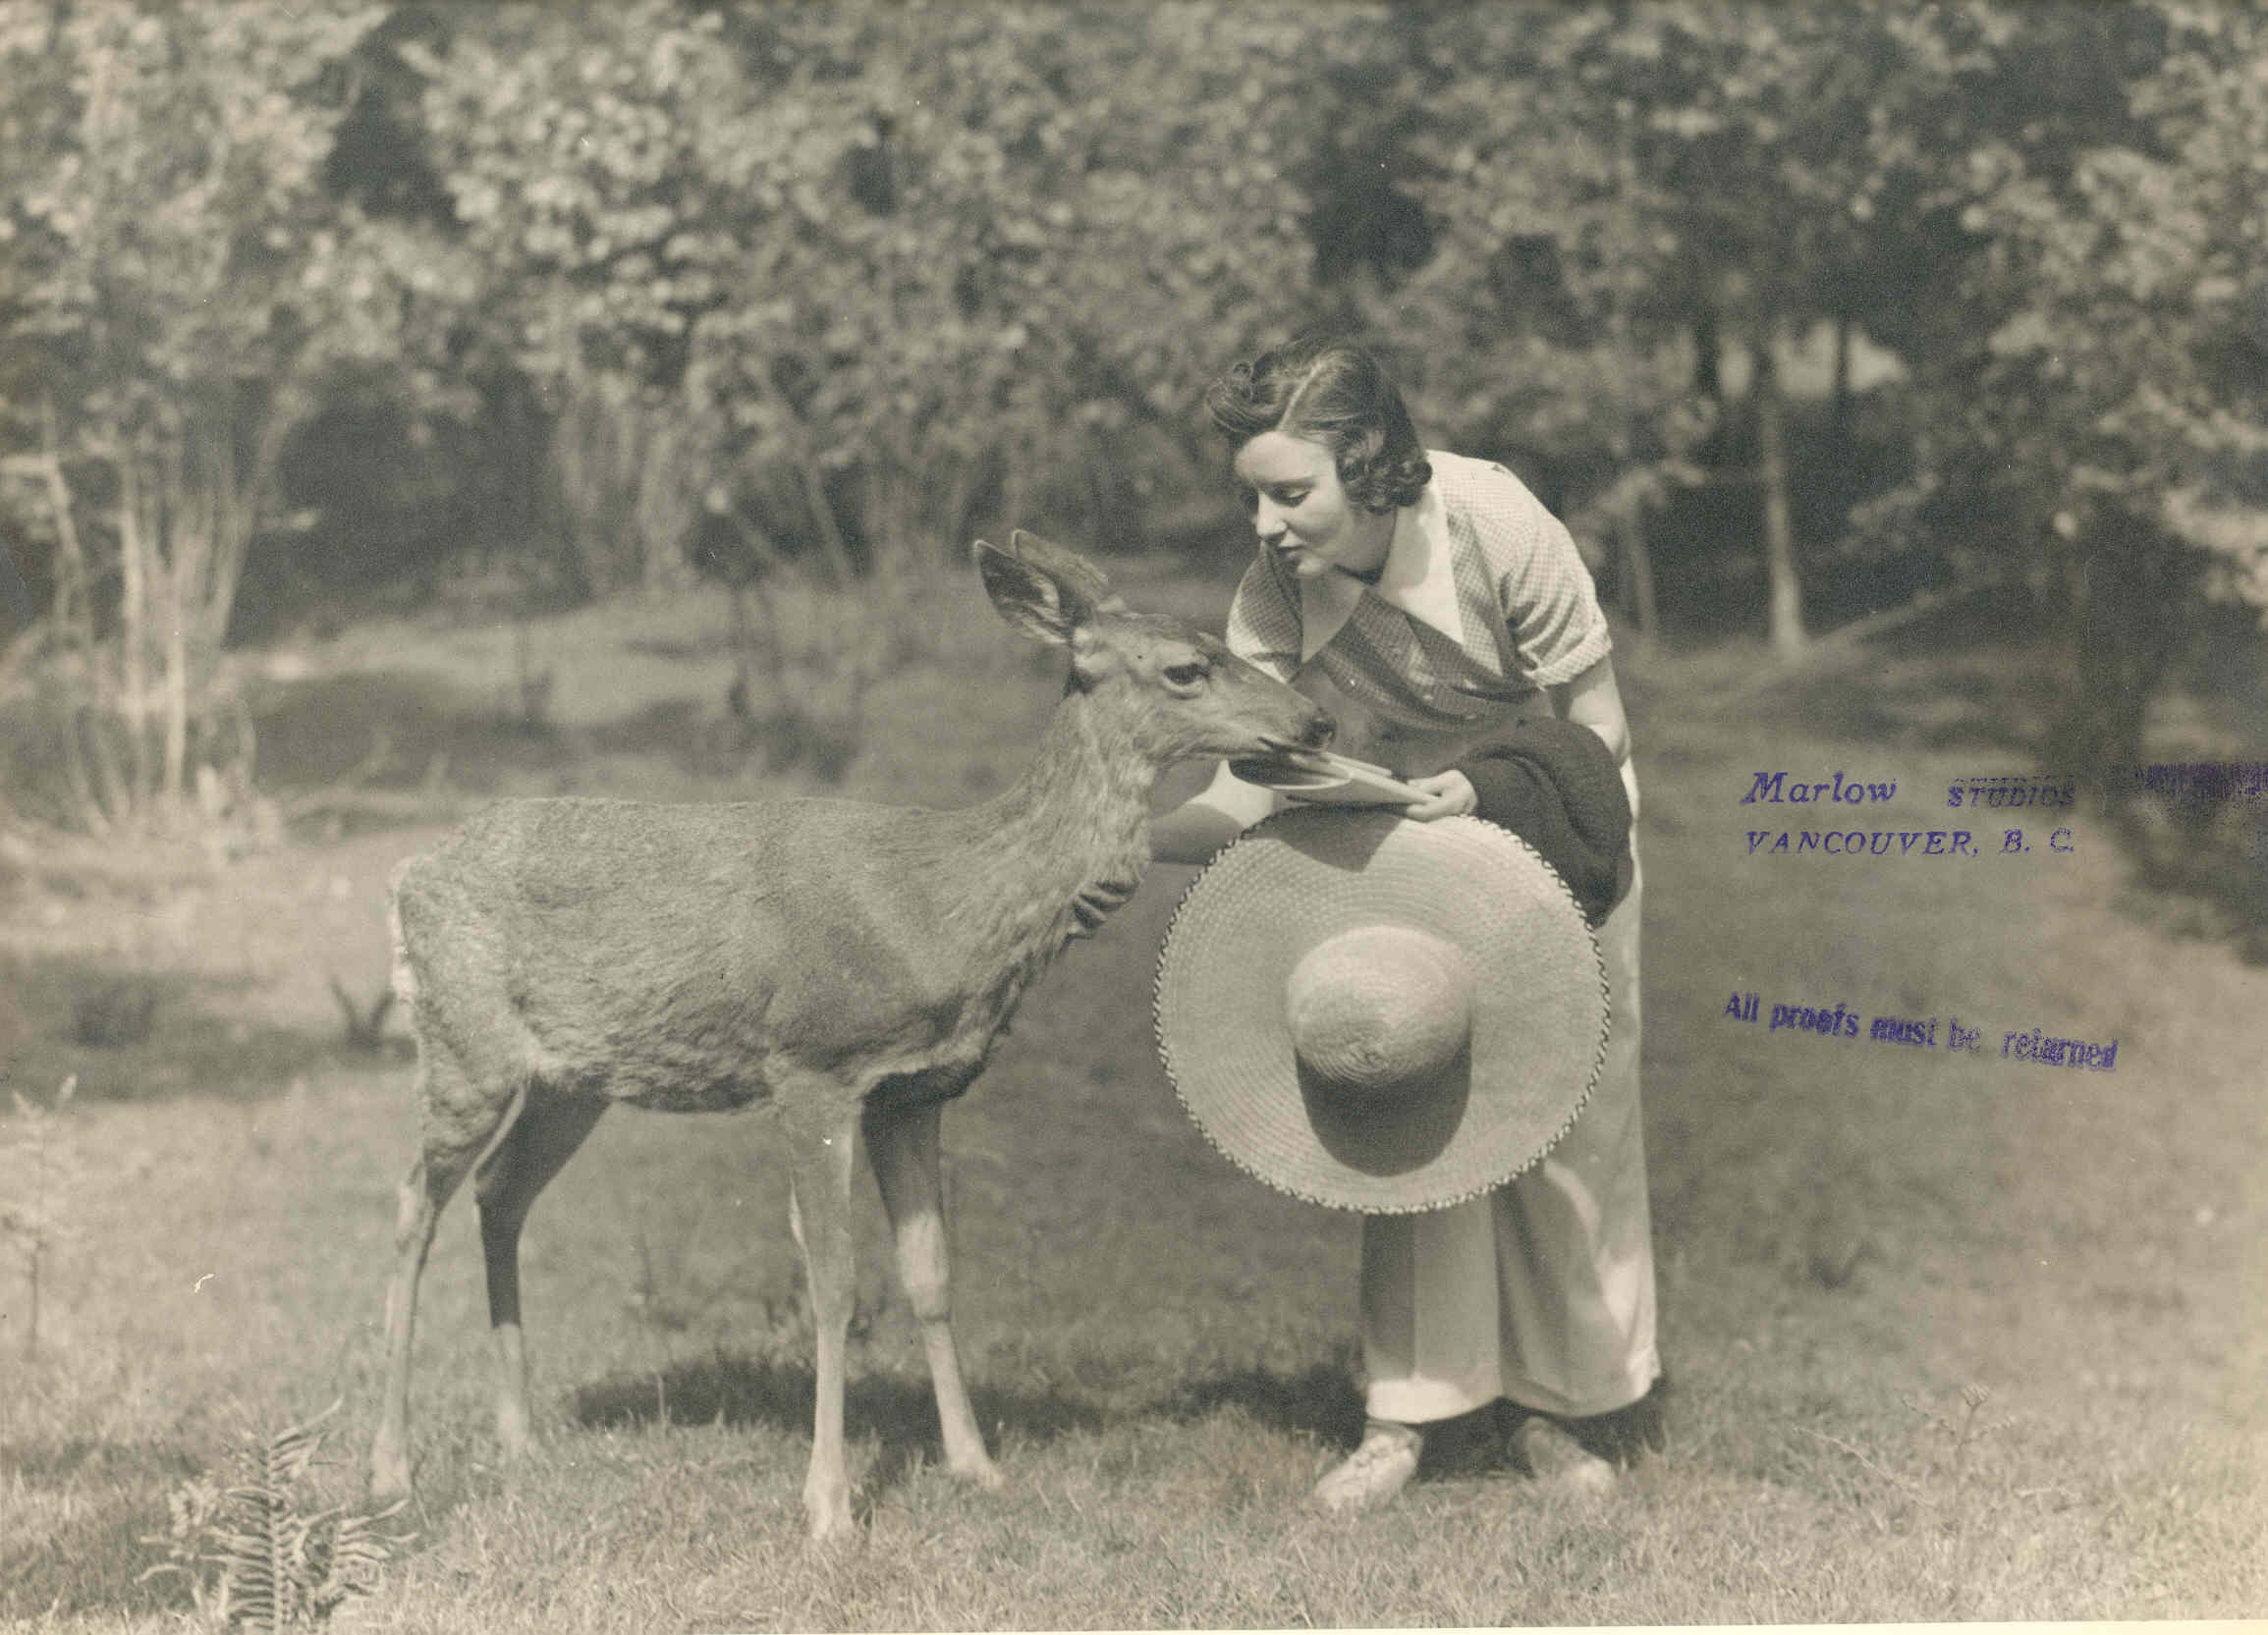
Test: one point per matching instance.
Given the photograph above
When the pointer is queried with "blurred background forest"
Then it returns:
(1807, 318)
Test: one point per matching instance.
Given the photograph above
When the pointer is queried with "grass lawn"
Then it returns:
(1952, 1337)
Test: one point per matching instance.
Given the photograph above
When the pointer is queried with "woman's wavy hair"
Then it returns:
(1335, 394)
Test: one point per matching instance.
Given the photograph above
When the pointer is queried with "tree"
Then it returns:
(892, 258)
(177, 293)
(1537, 330)
(2103, 401)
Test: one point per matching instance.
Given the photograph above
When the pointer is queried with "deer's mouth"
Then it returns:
(1288, 749)
(1286, 755)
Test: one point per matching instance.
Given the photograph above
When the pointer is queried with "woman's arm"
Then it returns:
(1590, 700)
(1199, 826)
(1593, 701)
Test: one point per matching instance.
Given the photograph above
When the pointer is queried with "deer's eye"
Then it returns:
(1188, 674)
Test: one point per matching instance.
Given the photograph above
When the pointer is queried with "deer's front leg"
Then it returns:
(902, 1147)
(819, 1211)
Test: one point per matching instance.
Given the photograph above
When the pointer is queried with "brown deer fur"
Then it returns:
(847, 966)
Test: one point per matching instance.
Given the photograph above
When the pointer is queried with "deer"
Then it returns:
(845, 966)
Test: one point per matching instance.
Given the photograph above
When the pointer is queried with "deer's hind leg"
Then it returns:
(901, 1145)
(539, 1142)
(459, 1122)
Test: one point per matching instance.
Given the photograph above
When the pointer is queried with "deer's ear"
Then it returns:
(1067, 563)
(1040, 604)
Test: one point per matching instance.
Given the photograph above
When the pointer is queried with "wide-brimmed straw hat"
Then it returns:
(1380, 1014)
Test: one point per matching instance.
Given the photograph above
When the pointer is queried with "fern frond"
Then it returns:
(359, 1553)
(289, 1451)
(269, 1564)
(248, 1590)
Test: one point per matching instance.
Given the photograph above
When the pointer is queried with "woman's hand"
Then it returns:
(1448, 794)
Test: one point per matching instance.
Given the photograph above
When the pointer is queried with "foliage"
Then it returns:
(253, 1557)
(175, 298)
(897, 266)
(670, 283)
(2102, 402)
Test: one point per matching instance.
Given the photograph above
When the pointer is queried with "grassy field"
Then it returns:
(1952, 1337)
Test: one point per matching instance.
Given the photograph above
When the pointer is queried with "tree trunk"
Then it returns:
(1708, 382)
(838, 549)
(2140, 600)
(136, 551)
(181, 567)
(177, 690)
(73, 619)
(1785, 615)
(1637, 576)
(1838, 414)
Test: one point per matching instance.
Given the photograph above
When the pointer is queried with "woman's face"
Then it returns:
(1300, 510)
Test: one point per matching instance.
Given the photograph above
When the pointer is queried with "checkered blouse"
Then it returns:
(1482, 603)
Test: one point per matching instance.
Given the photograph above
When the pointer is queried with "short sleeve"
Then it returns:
(1264, 626)
(1542, 587)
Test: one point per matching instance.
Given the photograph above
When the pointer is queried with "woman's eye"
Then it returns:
(1185, 675)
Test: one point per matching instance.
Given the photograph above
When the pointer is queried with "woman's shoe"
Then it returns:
(1553, 1456)
(1374, 1472)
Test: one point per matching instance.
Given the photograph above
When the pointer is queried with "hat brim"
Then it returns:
(1539, 1009)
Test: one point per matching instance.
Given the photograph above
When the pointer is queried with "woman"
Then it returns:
(1436, 596)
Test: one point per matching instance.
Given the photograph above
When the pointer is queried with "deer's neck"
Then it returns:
(1063, 847)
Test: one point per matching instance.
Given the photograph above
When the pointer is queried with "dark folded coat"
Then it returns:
(1555, 785)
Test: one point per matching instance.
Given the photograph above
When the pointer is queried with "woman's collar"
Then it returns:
(1419, 578)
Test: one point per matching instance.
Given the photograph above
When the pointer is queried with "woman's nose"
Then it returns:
(1267, 520)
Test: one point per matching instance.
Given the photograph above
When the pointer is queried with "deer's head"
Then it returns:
(1179, 691)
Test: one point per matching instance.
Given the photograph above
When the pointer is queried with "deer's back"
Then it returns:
(686, 956)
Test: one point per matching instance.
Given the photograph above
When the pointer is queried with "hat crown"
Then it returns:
(1377, 1008)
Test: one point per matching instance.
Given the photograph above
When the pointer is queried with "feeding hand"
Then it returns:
(1447, 794)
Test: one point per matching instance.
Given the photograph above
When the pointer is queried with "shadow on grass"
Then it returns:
(1321, 1401)
(1325, 1403)
(135, 1036)
(313, 733)
(448, 747)
(898, 1410)
(2200, 868)
(709, 746)
(1972, 676)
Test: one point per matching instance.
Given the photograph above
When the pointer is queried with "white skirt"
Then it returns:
(1543, 1290)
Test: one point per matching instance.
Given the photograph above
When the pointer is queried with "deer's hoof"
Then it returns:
(389, 1478)
(985, 1474)
(827, 1506)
